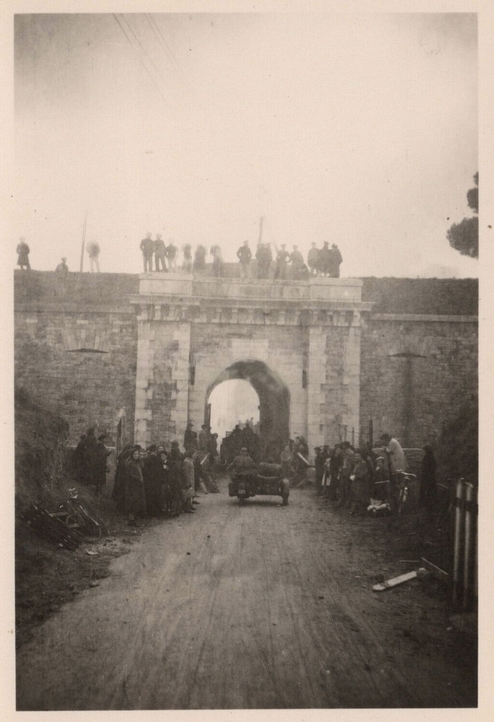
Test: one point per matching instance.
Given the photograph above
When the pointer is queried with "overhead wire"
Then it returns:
(139, 56)
(161, 77)
(164, 44)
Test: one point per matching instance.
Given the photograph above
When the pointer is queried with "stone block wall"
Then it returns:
(412, 398)
(82, 365)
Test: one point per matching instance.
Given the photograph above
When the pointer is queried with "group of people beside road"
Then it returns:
(156, 482)
(90, 459)
(352, 477)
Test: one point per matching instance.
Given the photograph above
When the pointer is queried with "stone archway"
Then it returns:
(274, 401)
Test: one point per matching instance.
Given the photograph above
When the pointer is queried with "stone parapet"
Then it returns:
(187, 285)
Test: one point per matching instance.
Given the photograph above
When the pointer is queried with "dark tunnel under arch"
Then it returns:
(274, 402)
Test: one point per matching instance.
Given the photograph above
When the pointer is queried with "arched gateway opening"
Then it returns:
(274, 402)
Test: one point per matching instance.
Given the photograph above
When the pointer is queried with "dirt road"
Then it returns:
(261, 606)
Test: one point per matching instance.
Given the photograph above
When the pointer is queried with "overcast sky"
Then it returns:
(356, 129)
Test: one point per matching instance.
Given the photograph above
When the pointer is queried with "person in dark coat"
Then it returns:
(319, 464)
(335, 460)
(90, 454)
(166, 502)
(135, 498)
(428, 484)
(23, 251)
(147, 248)
(334, 261)
(159, 253)
(77, 461)
(101, 463)
(152, 474)
(190, 437)
(118, 493)
(175, 463)
(200, 259)
(282, 258)
(324, 260)
(359, 485)
(264, 258)
(244, 255)
(313, 259)
(187, 258)
(171, 255)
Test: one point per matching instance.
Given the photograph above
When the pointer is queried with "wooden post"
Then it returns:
(371, 432)
(261, 223)
(469, 542)
(83, 240)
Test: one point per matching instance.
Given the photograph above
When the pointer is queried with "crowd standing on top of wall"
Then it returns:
(157, 256)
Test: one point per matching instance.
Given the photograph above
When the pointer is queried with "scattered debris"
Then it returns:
(51, 529)
(394, 582)
(91, 553)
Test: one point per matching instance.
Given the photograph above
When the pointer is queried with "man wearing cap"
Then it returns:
(159, 253)
(204, 438)
(242, 462)
(282, 257)
(396, 456)
(190, 437)
(62, 270)
(244, 256)
(334, 261)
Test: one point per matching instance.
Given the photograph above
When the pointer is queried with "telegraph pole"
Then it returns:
(83, 240)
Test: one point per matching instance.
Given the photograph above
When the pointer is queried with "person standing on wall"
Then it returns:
(200, 259)
(147, 249)
(23, 251)
(244, 256)
(61, 274)
(282, 257)
(217, 261)
(324, 260)
(313, 260)
(187, 258)
(93, 251)
(334, 261)
(171, 255)
(159, 254)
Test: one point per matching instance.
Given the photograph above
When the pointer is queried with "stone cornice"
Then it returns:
(430, 318)
(243, 314)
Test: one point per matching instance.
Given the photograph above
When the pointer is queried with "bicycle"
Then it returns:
(403, 489)
(76, 516)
